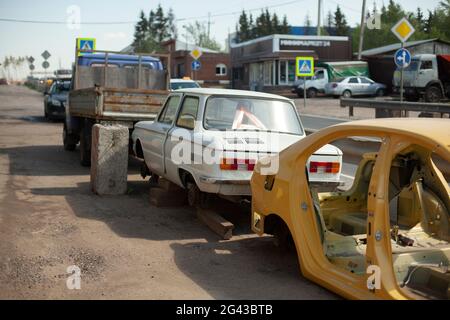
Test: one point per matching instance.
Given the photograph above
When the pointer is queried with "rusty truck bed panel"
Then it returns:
(116, 104)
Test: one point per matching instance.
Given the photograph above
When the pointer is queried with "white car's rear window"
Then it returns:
(251, 114)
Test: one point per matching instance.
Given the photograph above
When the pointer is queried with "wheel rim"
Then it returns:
(347, 94)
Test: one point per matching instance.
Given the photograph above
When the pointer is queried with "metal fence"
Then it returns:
(386, 109)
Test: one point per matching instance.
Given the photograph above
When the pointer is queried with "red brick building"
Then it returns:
(215, 68)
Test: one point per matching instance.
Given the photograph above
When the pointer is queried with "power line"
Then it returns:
(133, 22)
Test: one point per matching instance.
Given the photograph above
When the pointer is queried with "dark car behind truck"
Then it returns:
(112, 88)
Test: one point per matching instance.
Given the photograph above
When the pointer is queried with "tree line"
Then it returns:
(264, 24)
(159, 26)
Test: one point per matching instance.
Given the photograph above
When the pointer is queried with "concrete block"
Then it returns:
(109, 159)
(161, 197)
(216, 223)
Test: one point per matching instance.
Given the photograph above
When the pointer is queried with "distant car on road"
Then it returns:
(355, 86)
(185, 83)
(3, 81)
(55, 100)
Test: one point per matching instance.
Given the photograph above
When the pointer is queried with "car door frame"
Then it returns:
(177, 134)
(155, 156)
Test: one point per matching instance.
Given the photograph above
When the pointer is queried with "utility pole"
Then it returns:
(363, 26)
(209, 25)
(319, 17)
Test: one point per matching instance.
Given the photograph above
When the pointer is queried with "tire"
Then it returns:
(300, 95)
(311, 93)
(347, 94)
(85, 145)
(69, 140)
(380, 93)
(433, 94)
(282, 238)
(195, 197)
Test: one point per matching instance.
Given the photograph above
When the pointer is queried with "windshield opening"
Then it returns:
(183, 85)
(251, 114)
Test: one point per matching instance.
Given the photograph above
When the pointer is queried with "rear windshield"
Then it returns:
(183, 85)
(251, 114)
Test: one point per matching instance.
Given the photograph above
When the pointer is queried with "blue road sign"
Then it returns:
(196, 65)
(305, 66)
(402, 58)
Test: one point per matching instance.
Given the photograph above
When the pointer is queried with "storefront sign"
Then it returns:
(289, 44)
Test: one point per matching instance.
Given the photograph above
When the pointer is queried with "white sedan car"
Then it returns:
(208, 141)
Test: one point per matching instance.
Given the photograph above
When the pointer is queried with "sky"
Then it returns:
(31, 39)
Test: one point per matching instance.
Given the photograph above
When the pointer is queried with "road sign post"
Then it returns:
(403, 30)
(304, 68)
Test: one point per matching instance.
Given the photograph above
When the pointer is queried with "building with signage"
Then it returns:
(213, 66)
(268, 63)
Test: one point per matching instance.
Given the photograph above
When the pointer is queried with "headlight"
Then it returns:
(56, 102)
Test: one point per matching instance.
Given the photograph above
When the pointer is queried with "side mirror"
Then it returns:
(187, 121)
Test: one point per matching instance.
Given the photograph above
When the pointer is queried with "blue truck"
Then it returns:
(112, 88)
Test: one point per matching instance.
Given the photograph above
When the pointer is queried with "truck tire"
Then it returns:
(69, 140)
(433, 94)
(311, 93)
(85, 144)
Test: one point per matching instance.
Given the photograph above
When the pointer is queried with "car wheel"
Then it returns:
(380, 93)
(311, 93)
(347, 94)
(196, 198)
(282, 238)
(68, 140)
(433, 94)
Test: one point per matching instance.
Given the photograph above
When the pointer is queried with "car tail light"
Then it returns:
(334, 85)
(324, 167)
(237, 164)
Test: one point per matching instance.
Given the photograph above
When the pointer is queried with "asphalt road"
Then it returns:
(315, 123)
(125, 248)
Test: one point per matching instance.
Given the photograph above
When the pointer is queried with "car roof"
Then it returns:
(436, 130)
(232, 92)
(181, 80)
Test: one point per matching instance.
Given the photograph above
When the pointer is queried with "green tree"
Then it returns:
(151, 31)
(308, 24)
(340, 22)
(243, 29)
(199, 34)
(140, 30)
(285, 28)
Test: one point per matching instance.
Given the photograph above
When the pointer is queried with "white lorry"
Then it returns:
(427, 76)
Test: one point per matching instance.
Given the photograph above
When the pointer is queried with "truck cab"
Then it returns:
(314, 85)
(427, 76)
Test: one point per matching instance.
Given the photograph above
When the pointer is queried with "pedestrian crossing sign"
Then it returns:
(85, 44)
(305, 66)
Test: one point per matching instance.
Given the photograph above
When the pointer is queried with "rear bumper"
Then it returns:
(226, 187)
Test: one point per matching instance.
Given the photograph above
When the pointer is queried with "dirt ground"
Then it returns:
(125, 248)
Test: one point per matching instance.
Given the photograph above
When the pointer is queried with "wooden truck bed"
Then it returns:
(113, 104)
